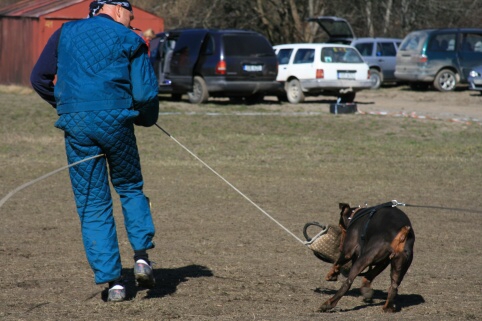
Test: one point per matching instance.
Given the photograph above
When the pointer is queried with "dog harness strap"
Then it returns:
(367, 222)
(371, 211)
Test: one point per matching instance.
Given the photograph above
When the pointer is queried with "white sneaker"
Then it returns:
(144, 274)
(117, 293)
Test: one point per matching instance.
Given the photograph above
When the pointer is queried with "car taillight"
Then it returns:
(320, 74)
(422, 59)
(368, 74)
(221, 68)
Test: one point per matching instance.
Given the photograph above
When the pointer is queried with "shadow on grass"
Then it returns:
(167, 280)
(402, 300)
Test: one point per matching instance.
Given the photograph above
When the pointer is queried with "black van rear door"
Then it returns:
(249, 56)
(184, 58)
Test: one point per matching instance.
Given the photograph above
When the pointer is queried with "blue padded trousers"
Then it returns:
(109, 132)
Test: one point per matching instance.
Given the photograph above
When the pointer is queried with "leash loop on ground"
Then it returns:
(21, 187)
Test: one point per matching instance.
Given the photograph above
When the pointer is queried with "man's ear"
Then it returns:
(118, 9)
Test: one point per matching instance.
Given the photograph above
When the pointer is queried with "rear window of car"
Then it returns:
(413, 42)
(365, 48)
(340, 55)
(304, 56)
(284, 56)
(442, 42)
(386, 49)
(246, 45)
(472, 42)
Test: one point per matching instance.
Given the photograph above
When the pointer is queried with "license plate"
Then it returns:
(346, 75)
(253, 68)
(478, 81)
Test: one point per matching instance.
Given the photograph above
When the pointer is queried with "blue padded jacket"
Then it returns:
(104, 65)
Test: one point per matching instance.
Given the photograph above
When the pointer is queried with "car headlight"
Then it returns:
(474, 74)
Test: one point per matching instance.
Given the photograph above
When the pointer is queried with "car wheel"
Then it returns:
(376, 78)
(445, 80)
(294, 93)
(199, 94)
(348, 97)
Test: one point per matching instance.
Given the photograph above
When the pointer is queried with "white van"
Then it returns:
(312, 69)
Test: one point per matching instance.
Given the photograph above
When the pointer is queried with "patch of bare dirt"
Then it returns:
(220, 258)
(460, 105)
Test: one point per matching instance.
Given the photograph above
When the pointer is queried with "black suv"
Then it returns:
(201, 63)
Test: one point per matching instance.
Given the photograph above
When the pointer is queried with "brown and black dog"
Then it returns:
(373, 238)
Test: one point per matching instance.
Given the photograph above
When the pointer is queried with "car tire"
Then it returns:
(376, 78)
(199, 94)
(348, 97)
(446, 80)
(294, 93)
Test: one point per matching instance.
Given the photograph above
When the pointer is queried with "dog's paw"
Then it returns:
(331, 277)
(367, 294)
(390, 308)
(324, 307)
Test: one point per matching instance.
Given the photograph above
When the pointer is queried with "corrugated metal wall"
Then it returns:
(26, 27)
(18, 42)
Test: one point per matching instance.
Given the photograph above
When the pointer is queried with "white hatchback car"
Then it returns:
(312, 69)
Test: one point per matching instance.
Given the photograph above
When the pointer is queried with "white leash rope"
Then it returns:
(232, 186)
(21, 187)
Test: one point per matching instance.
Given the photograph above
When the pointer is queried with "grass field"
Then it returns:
(220, 258)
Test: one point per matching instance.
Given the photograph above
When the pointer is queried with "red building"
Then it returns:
(26, 26)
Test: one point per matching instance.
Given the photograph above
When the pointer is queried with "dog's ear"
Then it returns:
(344, 214)
(343, 205)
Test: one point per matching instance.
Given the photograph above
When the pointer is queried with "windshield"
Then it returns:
(340, 55)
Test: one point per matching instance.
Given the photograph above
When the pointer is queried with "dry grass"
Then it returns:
(15, 89)
(219, 258)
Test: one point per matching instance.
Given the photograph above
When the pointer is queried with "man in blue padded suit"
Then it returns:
(105, 84)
